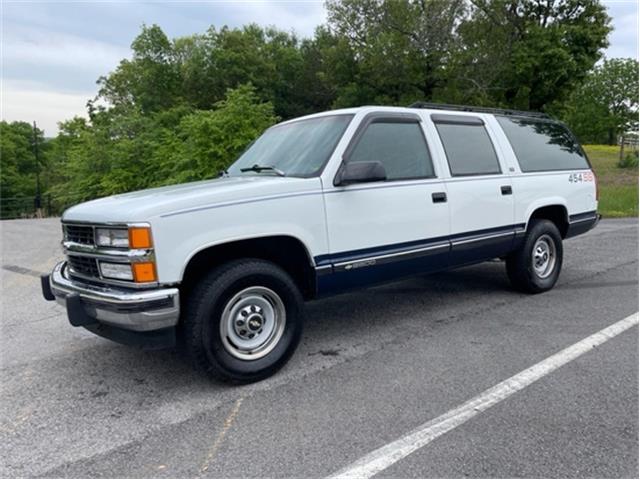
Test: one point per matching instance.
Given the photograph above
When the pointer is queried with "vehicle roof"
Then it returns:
(442, 109)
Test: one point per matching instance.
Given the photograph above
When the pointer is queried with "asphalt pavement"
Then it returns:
(373, 365)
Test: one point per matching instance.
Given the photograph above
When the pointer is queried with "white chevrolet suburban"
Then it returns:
(316, 206)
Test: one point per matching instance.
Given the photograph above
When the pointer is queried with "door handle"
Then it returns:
(439, 197)
(506, 190)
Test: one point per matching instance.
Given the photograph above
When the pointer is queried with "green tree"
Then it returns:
(17, 159)
(150, 80)
(197, 70)
(206, 142)
(181, 109)
(399, 48)
(606, 104)
(124, 149)
(526, 54)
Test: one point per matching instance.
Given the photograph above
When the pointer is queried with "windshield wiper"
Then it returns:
(264, 168)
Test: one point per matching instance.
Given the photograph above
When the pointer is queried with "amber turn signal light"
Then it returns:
(144, 272)
(140, 237)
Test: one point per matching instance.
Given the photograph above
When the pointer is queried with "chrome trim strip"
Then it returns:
(386, 258)
(117, 255)
(77, 223)
(408, 254)
(118, 283)
(60, 282)
(485, 237)
(588, 219)
(324, 270)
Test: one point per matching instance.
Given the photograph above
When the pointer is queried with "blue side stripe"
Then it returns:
(354, 255)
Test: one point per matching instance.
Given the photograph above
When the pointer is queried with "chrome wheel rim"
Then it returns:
(252, 323)
(543, 258)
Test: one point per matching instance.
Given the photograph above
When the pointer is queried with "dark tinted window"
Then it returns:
(400, 147)
(542, 145)
(469, 149)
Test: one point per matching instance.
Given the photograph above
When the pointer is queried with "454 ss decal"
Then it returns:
(581, 177)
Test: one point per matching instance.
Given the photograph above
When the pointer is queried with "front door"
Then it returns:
(383, 230)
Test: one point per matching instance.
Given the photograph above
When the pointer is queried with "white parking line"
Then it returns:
(382, 458)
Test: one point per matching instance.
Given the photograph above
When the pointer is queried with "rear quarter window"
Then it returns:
(543, 146)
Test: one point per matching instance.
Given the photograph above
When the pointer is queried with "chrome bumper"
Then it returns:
(140, 311)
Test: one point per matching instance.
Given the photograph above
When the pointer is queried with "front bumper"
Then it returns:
(123, 315)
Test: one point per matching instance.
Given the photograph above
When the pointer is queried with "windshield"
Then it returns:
(297, 149)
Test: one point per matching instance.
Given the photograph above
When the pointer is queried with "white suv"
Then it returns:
(316, 206)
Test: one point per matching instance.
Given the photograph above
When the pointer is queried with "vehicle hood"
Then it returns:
(144, 205)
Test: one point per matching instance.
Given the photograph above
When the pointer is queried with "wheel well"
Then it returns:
(557, 214)
(287, 252)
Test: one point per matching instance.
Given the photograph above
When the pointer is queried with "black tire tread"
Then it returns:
(193, 321)
(518, 262)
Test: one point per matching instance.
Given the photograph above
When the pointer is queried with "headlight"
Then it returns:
(119, 271)
(112, 237)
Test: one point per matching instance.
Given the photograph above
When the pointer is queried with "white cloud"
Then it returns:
(32, 102)
(301, 17)
(52, 53)
(624, 38)
(42, 47)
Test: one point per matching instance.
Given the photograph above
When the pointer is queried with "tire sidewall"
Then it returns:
(235, 280)
(539, 229)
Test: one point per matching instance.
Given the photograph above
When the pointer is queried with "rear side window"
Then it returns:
(399, 146)
(468, 147)
(542, 146)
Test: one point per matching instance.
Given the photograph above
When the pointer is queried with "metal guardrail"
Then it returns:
(30, 207)
(629, 141)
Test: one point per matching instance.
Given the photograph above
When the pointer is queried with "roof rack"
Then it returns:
(467, 108)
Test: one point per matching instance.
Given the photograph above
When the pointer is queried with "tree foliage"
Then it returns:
(605, 105)
(399, 50)
(17, 156)
(526, 54)
(124, 149)
(182, 109)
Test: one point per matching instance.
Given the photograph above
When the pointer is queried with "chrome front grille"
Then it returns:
(79, 234)
(83, 266)
(84, 256)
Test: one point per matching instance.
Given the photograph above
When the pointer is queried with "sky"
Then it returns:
(53, 52)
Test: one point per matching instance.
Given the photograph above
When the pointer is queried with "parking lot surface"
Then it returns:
(373, 366)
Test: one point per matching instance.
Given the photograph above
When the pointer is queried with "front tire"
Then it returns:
(535, 266)
(243, 321)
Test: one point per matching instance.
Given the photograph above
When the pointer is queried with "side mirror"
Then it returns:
(360, 172)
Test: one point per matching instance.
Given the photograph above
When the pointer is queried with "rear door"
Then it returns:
(387, 229)
(479, 189)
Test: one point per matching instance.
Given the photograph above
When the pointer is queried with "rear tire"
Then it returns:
(243, 321)
(535, 266)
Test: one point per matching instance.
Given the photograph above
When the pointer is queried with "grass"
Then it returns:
(618, 187)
